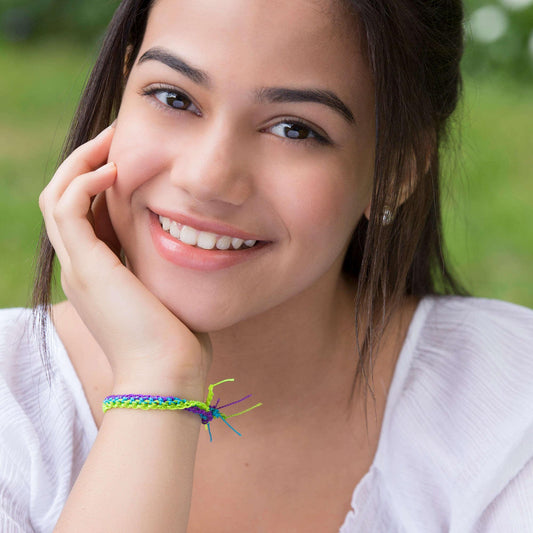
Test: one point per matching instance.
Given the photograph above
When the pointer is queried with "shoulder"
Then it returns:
(19, 367)
(14, 325)
(42, 394)
(453, 317)
(478, 350)
(459, 417)
(24, 383)
(471, 349)
(44, 438)
(474, 341)
(475, 353)
(18, 343)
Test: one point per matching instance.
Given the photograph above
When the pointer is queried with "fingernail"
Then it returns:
(106, 168)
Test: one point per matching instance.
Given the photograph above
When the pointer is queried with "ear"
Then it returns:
(405, 192)
(408, 186)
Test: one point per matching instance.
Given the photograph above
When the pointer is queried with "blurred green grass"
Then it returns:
(488, 210)
(39, 88)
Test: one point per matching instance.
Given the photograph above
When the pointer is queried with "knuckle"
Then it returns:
(84, 151)
(60, 212)
(80, 150)
(78, 157)
(43, 199)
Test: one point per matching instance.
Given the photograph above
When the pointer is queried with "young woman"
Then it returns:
(265, 208)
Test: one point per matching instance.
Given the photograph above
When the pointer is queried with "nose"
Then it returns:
(215, 165)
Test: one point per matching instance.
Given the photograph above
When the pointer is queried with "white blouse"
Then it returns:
(455, 452)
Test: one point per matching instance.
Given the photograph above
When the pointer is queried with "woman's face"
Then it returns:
(242, 120)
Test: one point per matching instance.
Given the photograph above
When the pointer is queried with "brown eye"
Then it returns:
(172, 99)
(296, 131)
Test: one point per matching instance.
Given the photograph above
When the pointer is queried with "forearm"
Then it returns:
(138, 476)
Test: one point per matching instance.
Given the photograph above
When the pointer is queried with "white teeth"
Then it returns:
(174, 230)
(165, 223)
(236, 243)
(189, 235)
(224, 243)
(206, 240)
(202, 239)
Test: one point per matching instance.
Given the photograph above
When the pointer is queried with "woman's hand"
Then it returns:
(139, 473)
(149, 349)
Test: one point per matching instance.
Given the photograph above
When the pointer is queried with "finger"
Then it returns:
(100, 286)
(71, 211)
(88, 157)
(69, 229)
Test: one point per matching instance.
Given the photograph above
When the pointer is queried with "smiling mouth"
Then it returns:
(203, 239)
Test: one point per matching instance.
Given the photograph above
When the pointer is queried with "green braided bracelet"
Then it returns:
(206, 410)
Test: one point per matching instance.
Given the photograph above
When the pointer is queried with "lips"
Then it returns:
(197, 248)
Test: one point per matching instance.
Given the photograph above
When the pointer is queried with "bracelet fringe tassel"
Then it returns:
(206, 410)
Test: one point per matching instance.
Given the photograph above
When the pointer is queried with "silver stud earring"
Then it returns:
(388, 216)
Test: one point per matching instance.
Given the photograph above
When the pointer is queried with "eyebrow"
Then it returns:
(179, 65)
(262, 95)
(320, 96)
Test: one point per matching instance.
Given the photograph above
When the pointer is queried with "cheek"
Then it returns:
(141, 153)
(139, 156)
(323, 205)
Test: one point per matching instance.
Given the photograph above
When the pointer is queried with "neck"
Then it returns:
(299, 356)
(291, 355)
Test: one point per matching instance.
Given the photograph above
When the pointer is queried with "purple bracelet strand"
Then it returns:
(206, 410)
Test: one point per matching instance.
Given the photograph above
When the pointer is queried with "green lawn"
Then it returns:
(38, 90)
(488, 215)
(489, 228)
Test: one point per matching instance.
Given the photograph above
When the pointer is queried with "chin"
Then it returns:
(202, 324)
(201, 306)
(203, 316)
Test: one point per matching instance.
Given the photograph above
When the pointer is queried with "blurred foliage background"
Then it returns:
(47, 48)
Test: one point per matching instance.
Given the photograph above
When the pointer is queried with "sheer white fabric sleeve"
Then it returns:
(46, 429)
(13, 497)
(457, 437)
(14, 493)
(512, 510)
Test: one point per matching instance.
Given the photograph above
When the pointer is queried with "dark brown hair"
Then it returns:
(413, 48)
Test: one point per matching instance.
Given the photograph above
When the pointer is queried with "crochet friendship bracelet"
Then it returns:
(206, 410)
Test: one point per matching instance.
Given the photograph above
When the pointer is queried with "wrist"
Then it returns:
(132, 383)
(207, 410)
(185, 392)
(187, 382)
